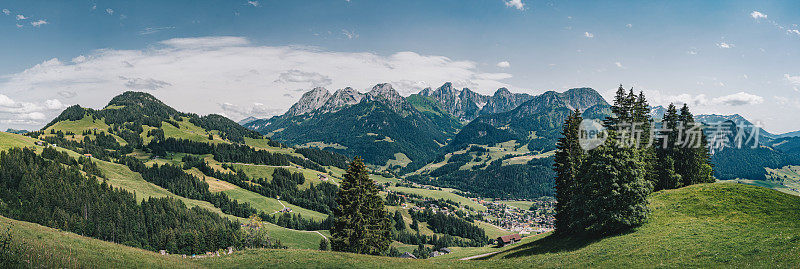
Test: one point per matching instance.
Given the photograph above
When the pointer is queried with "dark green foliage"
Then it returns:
(39, 190)
(228, 129)
(567, 160)
(608, 190)
(666, 151)
(498, 181)
(175, 180)
(325, 158)
(728, 162)
(399, 223)
(415, 225)
(679, 163)
(324, 245)
(230, 153)
(436, 240)
(612, 191)
(361, 224)
(296, 221)
(284, 184)
(413, 134)
(451, 225)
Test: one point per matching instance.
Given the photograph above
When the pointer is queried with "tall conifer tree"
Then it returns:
(361, 224)
(568, 158)
(692, 159)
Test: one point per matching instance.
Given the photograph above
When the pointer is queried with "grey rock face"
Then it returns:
(311, 100)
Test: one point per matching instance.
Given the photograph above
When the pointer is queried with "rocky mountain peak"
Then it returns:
(503, 100)
(342, 98)
(310, 101)
(426, 92)
(384, 93)
(582, 98)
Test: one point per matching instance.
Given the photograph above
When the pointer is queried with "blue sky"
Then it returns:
(241, 58)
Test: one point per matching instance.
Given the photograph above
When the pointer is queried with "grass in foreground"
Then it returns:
(698, 226)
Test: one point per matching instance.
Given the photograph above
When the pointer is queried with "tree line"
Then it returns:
(604, 190)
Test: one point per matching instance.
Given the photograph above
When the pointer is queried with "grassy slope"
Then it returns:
(270, 205)
(85, 124)
(444, 193)
(699, 226)
(50, 248)
(708, 225)
(120, 176)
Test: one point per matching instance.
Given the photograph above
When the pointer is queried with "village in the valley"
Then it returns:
(523, 216)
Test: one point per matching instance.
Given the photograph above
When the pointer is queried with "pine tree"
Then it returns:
(665, 148)
(692, 160)
(619, 110)
(361, 224)
(611, 195)
(568, 158)
(399, 223)
(415, 225)
(613, 190)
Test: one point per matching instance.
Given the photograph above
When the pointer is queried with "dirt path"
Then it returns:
(478, 256)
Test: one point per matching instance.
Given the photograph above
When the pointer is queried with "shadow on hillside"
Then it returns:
(551, 244)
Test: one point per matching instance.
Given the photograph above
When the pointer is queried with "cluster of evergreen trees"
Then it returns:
(55, 193)
(177, 181)
(604, 190)
(284, 184)
(236, 153)
(451, 225)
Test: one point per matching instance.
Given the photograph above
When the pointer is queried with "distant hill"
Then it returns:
(15, 131)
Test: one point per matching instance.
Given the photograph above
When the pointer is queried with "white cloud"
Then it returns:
(253, 3)
(19, 25)
(38, 23)
(618, 64)
(94, 7)
(21, 17)
(504, 64)
(200, 74)
(206, 42)
(587, 34)
(692, 52)
(296, 76)
(724, 45)
(6, 11)
(792, 79)
(738, 99)
(110, 11)
(629, 25)
(53, 104)
(793, 31)
(14, 112)
(515, 4)
(758, 15)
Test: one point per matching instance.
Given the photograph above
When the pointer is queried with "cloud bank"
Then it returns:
(226, 75)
